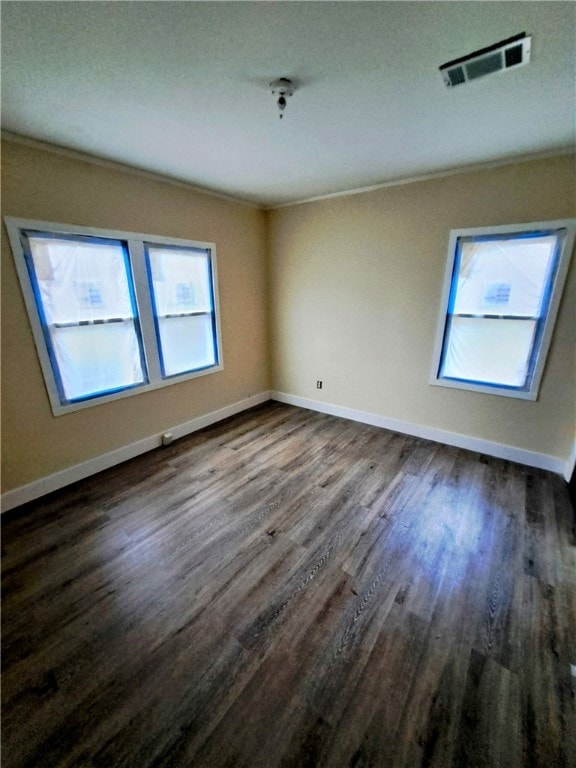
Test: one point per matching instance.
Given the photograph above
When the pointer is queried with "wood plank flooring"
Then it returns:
(291, 590)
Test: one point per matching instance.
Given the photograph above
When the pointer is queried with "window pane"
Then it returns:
(187, 343)
(97, 358)
(181, 287)
(488, 350)
(504, 276)
(181, 280)
(79, 281)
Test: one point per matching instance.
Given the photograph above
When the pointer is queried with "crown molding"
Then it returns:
(85, 157)
(456, 171)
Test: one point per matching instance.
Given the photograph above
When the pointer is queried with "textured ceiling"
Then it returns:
(181, 89)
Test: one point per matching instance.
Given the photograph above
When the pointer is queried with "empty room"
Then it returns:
(288, 384)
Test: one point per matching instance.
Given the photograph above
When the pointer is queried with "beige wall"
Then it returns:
(355, 291)
(38, 184)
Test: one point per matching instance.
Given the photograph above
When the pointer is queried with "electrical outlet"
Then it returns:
(318, 385)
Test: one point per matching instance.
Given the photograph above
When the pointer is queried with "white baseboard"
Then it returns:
(58, 480)
(499, 450)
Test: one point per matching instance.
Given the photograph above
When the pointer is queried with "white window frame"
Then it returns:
(530, 393)
(135, 245)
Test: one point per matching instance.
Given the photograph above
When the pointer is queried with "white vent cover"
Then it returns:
(508, 54)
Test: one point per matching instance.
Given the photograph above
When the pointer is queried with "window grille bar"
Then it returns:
(184, 314)
(495, 317)
(100, 321)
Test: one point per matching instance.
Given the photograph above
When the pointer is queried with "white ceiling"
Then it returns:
(181, 88)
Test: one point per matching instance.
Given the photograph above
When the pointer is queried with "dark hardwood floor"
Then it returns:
(288, 589)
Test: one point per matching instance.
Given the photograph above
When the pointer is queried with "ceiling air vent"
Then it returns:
(510, 53)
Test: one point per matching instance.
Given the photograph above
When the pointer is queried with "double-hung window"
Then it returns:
(115, 313)
(501, 295)
(183, 301)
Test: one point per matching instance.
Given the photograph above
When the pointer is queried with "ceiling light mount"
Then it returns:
(282, 88)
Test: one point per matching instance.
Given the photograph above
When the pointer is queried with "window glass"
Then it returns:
(84, 295)
(504, 277)
(488, 350)
(187, 343)
(182, 295)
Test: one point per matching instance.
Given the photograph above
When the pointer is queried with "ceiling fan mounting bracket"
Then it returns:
(282, 88)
